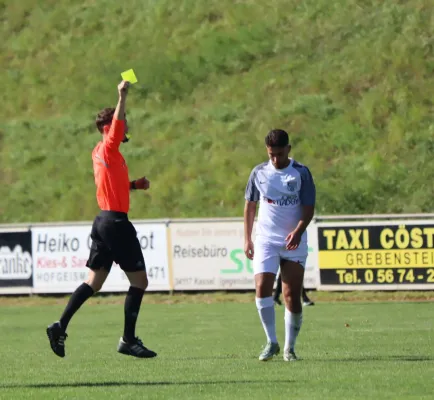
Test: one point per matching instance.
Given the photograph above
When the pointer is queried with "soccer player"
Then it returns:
(114, 237)
(286, 193)
(278, 292)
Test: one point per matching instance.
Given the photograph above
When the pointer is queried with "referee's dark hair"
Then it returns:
(277, 138)
(104, 117)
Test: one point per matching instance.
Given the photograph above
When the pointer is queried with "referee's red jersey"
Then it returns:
(111, 171)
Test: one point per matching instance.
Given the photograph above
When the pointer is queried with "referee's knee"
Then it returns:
(144, 282)
(138, 279)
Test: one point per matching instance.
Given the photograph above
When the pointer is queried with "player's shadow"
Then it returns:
(405, 358)
(148, 383)
(195, 358)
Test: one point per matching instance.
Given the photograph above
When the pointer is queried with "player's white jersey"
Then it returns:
(281, 194)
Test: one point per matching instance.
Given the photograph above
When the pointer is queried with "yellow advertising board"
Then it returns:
(391, 253)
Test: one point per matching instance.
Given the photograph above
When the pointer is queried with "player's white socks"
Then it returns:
(265, 308)
(292, 328)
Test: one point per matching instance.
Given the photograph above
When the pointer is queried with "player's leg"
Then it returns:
(278, 290)
(130, 258)
(292, 282)
(266, 264)
(99, 263)
(306, 300)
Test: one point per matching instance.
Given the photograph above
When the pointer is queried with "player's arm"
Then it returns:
(116, 134)
(252, 197)
(306, 218)
(249, 219)
(307, 201)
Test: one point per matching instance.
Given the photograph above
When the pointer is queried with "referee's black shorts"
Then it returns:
(114, 238)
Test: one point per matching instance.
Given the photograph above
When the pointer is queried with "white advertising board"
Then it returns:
(60, 254)
(209, 255)
(311, 273)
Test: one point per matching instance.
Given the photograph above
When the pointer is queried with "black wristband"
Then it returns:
(133, 185)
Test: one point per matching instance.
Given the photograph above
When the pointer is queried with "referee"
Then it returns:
(114, 238)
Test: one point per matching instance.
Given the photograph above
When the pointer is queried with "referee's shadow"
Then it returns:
(137, 383)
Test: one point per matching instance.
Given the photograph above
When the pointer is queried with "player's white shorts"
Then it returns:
(267, 256)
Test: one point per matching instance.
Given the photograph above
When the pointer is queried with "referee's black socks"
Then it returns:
(81, 294)
(132, 308)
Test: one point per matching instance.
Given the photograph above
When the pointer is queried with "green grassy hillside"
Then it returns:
(352, 81)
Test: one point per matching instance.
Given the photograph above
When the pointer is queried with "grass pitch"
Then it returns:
(208, 349)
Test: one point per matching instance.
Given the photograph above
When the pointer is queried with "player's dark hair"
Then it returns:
(104, 117)
(277, 138)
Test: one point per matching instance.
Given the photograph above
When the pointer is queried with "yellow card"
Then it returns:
(129, 76)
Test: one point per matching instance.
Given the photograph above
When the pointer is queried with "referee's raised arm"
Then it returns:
(116, 134)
